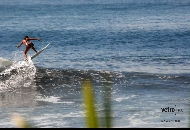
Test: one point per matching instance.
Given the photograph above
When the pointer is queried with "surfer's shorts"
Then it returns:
(31, 44)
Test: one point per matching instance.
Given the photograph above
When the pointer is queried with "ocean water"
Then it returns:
(140, 48)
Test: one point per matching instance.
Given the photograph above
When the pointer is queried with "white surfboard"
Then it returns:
(32, 57)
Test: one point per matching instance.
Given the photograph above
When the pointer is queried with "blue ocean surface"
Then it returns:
(140, 48)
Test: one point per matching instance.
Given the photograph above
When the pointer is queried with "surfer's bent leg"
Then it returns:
(33, 47)
(26, 50)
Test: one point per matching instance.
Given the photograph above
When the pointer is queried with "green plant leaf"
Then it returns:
(89, 105)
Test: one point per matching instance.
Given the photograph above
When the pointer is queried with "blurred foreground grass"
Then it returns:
(92, 120)
(21, 122)
(89, 105)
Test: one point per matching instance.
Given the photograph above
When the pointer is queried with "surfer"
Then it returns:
(28, 44)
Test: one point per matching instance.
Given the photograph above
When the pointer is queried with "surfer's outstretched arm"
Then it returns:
(20, 44)
(39, 39)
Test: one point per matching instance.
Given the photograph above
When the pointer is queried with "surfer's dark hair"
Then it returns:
(26, 37)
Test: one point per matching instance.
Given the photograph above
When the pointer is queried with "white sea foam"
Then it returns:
(52, 99)
(20, 73)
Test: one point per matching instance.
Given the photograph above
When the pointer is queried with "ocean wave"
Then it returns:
(26, 74)
(4, 63)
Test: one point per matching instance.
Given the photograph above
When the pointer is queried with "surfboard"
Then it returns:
(32, 57)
